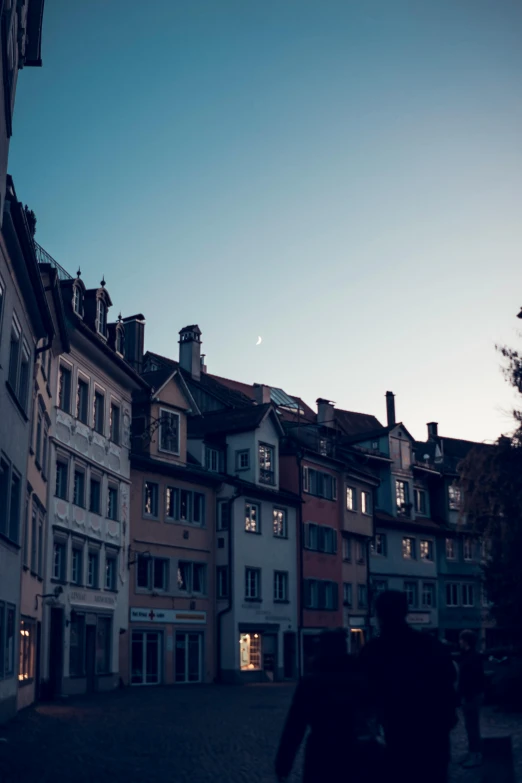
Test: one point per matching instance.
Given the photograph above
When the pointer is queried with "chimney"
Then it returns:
(325, 412)
(134, 340)
(261, 393)
(190, 350)
(433, 430)
(390, 408)
(203, 365)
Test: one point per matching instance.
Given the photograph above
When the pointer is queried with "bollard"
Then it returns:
(497, 760)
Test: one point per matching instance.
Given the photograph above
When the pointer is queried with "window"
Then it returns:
(320, 594)
(103, 645)
(25, 554)
(82, 401)
(379, 544)
(362, 596)
(15, 507)
(351, 499)
(408, 548)
(410, 588)
(169, 431)
(252, 521)
(152, 573)
(115, 424)
(77, 645)
(402, 497)
(223, 515)
(101, 317)
(454, 497)
(150, 499)
(243, 459)
(212, 459)
(321, 538)
(4, 496)
(95, 496)
(110, 571)
(9, 649)
(378, 586)
(41, 521)
(222, 581)
(120, 341)
(420, 502)
(59, 561)
(185, 506)
(39, 433)
(77, 300)
(366, 503)
(452, 594)
(112, 503)
(252, 584)
(360, 552)
(99, 412)
(34, 539)
(45, 449)
(311, 536)
(266, 464)
(468, 597)
(347, 549)
(280, 586)
(322, 485)
(27, 651)
(61, 479)
(77, 566)
(24, 378)
(428, 595)
(93, 561)
(450, 549)
(426, 550)
(14, 356)
(79, 488)
(192, 577)
(250, 651)
(347, 594)
(64, 388)
(467, 549)
(279, 519)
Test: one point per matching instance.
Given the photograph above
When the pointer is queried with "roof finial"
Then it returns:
(120, 319)
(79, 272)
(102, 283)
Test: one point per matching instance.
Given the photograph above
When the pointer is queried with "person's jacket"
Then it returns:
(331, 703)
(471, 676)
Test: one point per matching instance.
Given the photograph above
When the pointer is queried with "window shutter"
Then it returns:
(306, 479)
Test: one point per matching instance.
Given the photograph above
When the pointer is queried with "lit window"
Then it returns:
(454, 497)
(426, 550)
(366, 503)
(192, 577)
(151, 496)
(402, 497)
(27, 651)
(408, 548)
(252, 518)
(280, 530)
(351, 499)
(266, 464)
(250, 651)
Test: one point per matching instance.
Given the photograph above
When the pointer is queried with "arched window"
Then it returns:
(101, 317)
(77, 300)
(120, 340)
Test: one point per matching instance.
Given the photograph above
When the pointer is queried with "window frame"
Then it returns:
(467, 549)
(222, 582)
(115, 428)
(97, 425)
(346, 549)
(362, 595)
(59, 546)
(266, 455)
(63, 462)
(348, 594)
(413, 548)
(415, 592)
(154, 496)
(351, 499)
(163, 414)
(82, 400)
(240, 454)
(77, 549)
(257, 573)
(79, 470)
(113, 491)
(111, 557)
(433, 591)
(93, 556)
(366, 503)
(449, 587)
(219, 516)
(95, 509)
(284, 522)
(451, 541)
(248, 518)
(430, 557)
(383, 545)
(420, 492)
(467, 595)
(65, 370)
(281, 587)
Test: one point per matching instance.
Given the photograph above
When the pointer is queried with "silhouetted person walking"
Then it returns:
(331, 703)
(470, 690)
(411, 678)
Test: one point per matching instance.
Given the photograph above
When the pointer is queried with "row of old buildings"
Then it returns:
(161, 524)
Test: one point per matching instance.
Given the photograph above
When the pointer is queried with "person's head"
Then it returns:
(468, 640)
(391, 607)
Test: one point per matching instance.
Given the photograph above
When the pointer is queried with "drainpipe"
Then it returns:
(301, 567)
(228, 608)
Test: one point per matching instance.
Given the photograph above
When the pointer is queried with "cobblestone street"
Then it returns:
(206, 733)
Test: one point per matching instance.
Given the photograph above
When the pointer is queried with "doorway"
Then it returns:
(56, 652)
(146, 658)
(289, 651)
(188, 657)
(356, 640)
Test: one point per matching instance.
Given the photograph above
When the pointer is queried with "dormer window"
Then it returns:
(120, 340)
(77, 300)
(101, 317)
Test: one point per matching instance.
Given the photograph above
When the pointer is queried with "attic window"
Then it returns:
(77, 300)
(120, 341)
(101, 317)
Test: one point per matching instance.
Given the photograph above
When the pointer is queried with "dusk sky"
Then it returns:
(342, 178)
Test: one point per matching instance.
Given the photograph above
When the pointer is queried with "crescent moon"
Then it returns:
(259, 340)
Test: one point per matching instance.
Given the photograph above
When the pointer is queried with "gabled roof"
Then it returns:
(288, 404)
(351, 423)
(378, 433)
(453, 451)
(157, 378)
(230, 421)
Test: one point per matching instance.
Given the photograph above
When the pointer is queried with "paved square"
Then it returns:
(178, 734)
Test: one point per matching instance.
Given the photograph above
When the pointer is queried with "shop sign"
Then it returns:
(166, 616)
(86, 598)
(419, 618)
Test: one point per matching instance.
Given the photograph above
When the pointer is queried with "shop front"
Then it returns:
(168, 646)
(356, 634)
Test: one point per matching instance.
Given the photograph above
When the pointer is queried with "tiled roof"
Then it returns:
(248, 391)
(228, 421)
(352, 423)
(156, 378)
